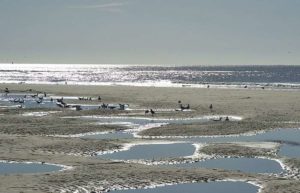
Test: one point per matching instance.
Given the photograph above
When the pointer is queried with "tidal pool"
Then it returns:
(153, 152)
(43, 104)
(288, 137)
(249, 165)
(112, 135)
(28, 103)
(134, 123)
(288, 150)
(131, 120)
(278, 135)
(147, 120)
(21, 168)
(211, 187)
(282, 135)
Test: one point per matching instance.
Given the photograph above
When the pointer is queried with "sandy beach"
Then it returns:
(141, 96)
(27, 138)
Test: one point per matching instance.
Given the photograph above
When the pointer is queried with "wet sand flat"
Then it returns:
(240, 149)
(25, 138)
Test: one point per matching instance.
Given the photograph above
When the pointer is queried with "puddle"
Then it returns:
(39, 114)
(292, 151)
(136, 124)
(285, 136)
(30, 100)
(22, 168)
(128, 133)
(140, 123)
(147, 120)
(289, 135)
(132, 120)
(28, 103)
(249, 165)
(282, 135)
(112, 135)
(211, 187)
(153, 152)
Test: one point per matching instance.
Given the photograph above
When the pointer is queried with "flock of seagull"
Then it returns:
(40, 96)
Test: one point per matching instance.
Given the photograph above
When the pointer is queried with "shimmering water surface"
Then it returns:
(164, 75)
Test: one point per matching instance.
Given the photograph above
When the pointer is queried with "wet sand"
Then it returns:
(263, 104)
(89, 172)
(216, 128)
(25, 138)
(247, 149)
(50, 125)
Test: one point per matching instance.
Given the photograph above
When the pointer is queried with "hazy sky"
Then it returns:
(150, 31)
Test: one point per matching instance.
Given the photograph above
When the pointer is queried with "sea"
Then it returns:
(235, 76)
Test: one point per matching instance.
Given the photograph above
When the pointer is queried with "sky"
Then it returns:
(193, 32)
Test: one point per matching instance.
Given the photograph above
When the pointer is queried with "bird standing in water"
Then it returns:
(211, 107)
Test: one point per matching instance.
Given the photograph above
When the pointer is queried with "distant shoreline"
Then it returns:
(150, 64)
(235, 77)
(168, 84)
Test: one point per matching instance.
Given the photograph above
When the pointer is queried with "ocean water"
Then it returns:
(153, 75)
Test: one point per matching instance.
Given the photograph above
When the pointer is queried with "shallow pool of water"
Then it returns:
(146, 120)
(29, 103)
(132, 120)
(43, 104)
(289, 135)
(113, 135)
(285, 136)
(292, 151)
(134, 123)
(212, 187)
(250, 165)
(153, 151)
(21, 168)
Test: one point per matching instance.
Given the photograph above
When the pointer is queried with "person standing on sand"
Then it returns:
(211, 107)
